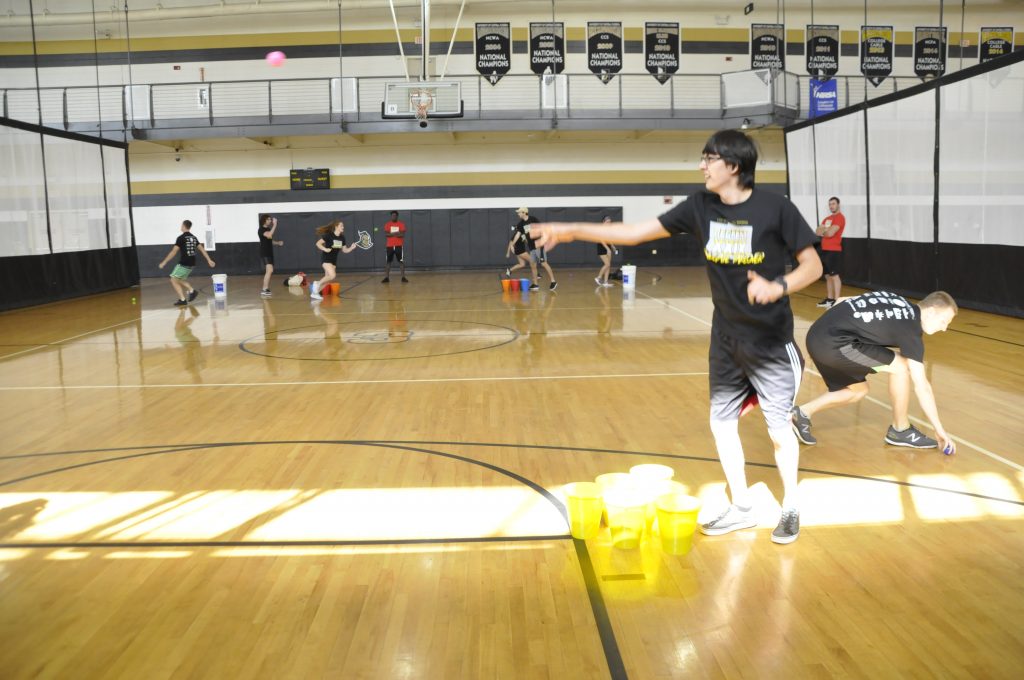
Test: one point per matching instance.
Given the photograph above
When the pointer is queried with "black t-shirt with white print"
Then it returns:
(525, 243)
(188, 245)
(761, 234)
(335, 243)
(878, 318)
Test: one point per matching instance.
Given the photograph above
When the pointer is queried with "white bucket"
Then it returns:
(629, 276)
(220, 285)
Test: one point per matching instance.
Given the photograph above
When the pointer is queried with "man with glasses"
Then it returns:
(749, 235)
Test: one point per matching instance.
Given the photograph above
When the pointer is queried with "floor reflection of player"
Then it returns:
(270, 336)
(194, 361)
(332, 345)
(398, 325)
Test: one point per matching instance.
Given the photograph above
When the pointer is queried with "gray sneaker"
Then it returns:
(789, 527)
(731, 519)
(802, 426)
(911, 437)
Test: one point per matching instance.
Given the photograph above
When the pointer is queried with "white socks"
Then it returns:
(730, 453)
(787, 459)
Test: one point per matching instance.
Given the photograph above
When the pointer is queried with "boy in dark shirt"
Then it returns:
(187, 245)
(267, 227)
(748, 235)
(852, 339)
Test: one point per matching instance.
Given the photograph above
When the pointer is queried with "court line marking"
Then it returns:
(146, 545)
(674, 308)
(599, 609)
(596, 376)
(980, 449)
(73, 337)
(180, 448)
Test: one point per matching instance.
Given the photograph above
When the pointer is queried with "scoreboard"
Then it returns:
(311, 178)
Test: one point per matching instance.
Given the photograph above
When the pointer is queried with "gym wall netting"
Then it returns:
(931, 182)
(65, 222)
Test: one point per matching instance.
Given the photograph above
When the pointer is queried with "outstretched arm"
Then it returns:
(926, 398)
(349, 248)
(174, 251)
(620, 233)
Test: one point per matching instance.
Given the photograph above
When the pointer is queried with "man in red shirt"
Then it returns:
(395, 231)
(831, 233)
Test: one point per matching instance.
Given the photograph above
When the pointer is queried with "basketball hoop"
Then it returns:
(421, 102)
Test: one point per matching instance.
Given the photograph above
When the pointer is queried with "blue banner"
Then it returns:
(824, 97)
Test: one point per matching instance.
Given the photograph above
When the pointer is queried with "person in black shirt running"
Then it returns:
(332, 239)
(268, 225)
(749, 235)
(187, 245)
(852, 339)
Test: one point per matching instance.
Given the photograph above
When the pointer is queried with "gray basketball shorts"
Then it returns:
(739, 368)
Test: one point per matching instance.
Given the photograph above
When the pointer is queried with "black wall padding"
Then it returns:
(458, 238)
(36, 279)
(981, 276)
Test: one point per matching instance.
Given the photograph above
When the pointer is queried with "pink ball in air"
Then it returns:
(275, 58)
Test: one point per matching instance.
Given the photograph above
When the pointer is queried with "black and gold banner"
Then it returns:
(929, 51)
(822, 50)
(995, 42)
(493, 50)
(604, 48)
(547, 47)
(768, 46)
(876, 53)
(661, 49)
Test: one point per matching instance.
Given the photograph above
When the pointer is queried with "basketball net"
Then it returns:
(421, 101)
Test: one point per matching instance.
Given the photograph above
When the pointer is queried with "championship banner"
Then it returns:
(876, 53)
(995, 42)
(824, 97)
(661, 49)
(547, 47)
(929, 51)
(493, 50)
(604, 48)
(768, 46)
(822, 50)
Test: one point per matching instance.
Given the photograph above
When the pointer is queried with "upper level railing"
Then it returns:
(181, 106)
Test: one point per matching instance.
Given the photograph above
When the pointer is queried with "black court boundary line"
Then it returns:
(385, 442)
(242, 344)
(149, 545)
(613, 656)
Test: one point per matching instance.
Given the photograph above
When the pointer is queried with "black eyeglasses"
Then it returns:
(708, 159)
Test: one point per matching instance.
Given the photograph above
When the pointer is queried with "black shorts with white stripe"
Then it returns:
(738, 368)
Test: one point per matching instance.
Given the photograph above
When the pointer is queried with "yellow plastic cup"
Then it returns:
(583, 501)
(677, 522)
(650, 479)
(613, 480)
(652, 472)
(627, 516)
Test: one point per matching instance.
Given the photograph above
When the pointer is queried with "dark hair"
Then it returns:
(834, 198)
(737, 149)
(263, 219)
(395, 213)
(187, 224)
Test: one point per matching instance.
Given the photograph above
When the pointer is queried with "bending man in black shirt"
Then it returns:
(852, 339)
(748, 236)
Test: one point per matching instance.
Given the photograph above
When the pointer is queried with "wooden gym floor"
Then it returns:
(371, 490)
